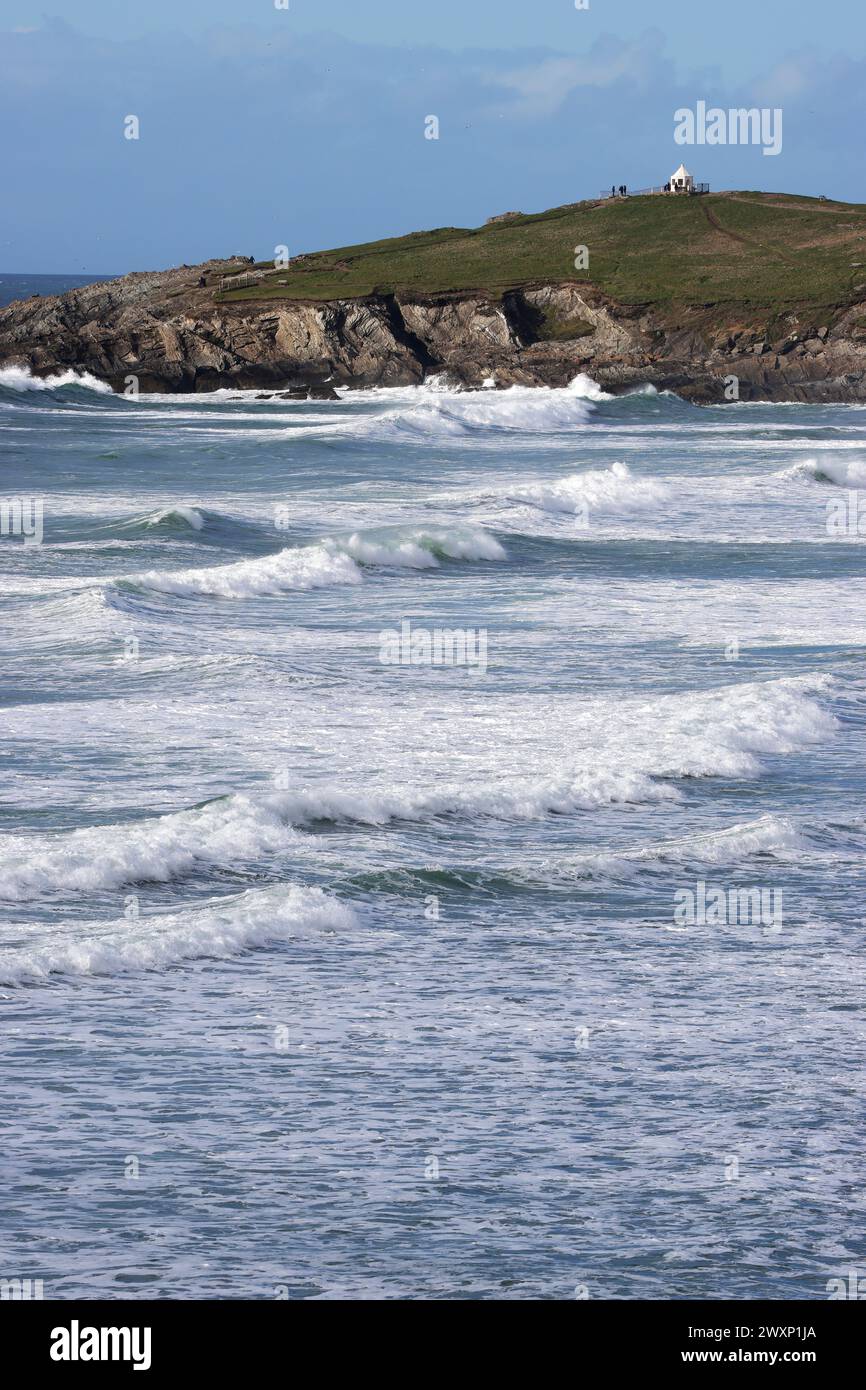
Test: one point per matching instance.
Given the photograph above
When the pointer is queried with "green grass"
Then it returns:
(769, 254)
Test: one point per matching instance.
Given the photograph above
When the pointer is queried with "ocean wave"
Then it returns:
(215, 931)
(173, 517)
(613, 489)
(307, 567)
(517, 799)
(767, 837)
(331, 561)
(772, 835)
(192, 523)
(220, 834)
(586, 389)
(726, 732)
(72, 607)
(838, 472)
(420, 548)
(63, 613)
(240, 828)
(629, 757)
(584, 386)
(22, 379)
(517, 409)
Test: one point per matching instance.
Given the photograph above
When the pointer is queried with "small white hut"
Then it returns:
(682, 181)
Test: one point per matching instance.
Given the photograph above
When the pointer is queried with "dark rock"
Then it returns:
(169, 331)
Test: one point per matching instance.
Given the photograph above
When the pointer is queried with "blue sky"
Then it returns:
(304, 127)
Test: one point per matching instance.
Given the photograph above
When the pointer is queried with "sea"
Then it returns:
(431, 844)
(14, 287)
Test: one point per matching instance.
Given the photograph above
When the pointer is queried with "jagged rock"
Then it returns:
(169, 331)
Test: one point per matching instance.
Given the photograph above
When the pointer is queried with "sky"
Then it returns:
(261, 127)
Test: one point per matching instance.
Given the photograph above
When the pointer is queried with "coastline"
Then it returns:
(168, 332)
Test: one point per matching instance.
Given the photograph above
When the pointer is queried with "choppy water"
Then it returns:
(373, 973)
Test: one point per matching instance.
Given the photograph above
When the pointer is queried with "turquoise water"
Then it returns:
(324, 976)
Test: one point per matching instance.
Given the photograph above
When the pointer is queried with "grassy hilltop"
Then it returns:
(682, 292)
(766, 251)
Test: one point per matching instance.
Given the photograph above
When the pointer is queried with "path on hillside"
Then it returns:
(746, 240)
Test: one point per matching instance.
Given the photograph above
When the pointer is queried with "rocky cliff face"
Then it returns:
(169, 332)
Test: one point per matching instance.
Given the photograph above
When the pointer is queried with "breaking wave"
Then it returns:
(331, 561)
(838, 472)
(240, 828)
(174, 517)
(22, 379)
(720, 734)
(768, 837)
(514, 410)
(215, 931)
(614, 489)
(220, 834)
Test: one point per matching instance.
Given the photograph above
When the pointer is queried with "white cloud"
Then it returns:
(542, 87)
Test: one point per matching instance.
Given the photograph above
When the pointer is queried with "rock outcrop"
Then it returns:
(172, 331)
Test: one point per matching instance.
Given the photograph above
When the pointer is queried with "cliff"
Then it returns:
(672, 295)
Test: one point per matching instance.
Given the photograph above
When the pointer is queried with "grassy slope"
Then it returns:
(766, 253)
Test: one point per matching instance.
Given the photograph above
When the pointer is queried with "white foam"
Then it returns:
(515, 798)
(647, 389)
(841, 472)
(243, 827)
(157, 849)
(22, 379)
(584, 387)
(215, 931)
(331, 561)
(583, 755)
(191, 515)
(725, 732)
(306, 567)
(419, 548)
(774, 613)
(613, 489)
(770, 836)
(516, 409)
